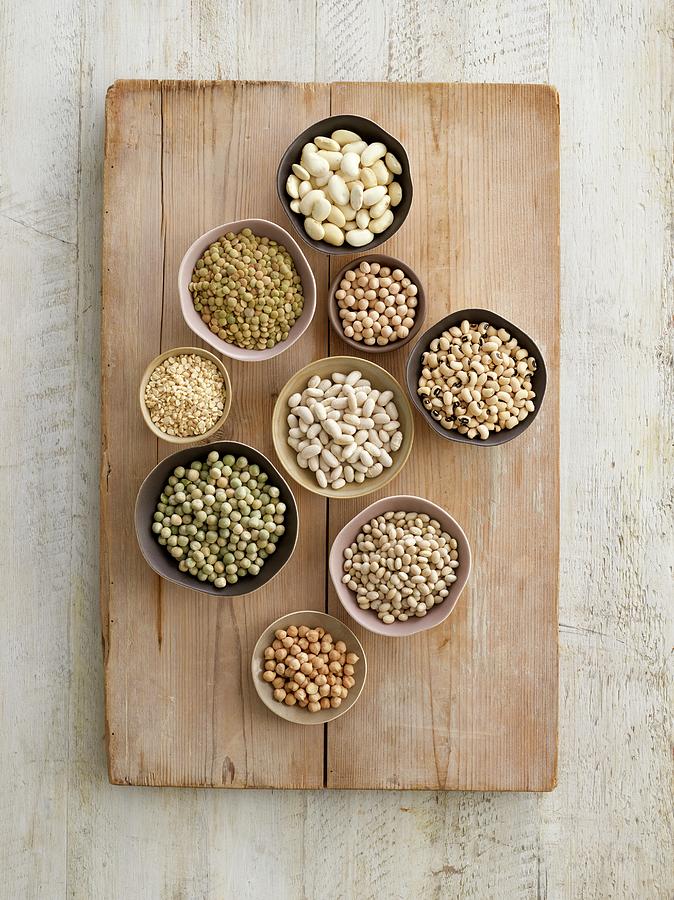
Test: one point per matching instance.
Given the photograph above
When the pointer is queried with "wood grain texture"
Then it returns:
(181, 709)
(606, 831)
(472, 704)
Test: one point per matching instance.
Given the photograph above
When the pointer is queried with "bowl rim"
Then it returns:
(419, 316)
(193, 319)
(268, 700)
(302, 138)
(481, 314)
(182, 351)
(366, 618)
(381, 480)
(231, 590)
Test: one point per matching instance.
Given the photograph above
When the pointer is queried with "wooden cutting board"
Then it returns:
(470, 705)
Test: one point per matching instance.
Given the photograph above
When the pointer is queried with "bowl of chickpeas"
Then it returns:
(308, 667)
(377, 304)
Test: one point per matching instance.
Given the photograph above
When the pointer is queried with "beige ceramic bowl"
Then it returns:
(366, 617)
(380, 379)
(340, 632)
(180, 351)
(262, 228)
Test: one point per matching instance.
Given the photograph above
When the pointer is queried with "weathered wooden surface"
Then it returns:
(606, 831)
(470, 705)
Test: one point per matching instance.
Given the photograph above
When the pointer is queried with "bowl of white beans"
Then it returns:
(476, 378)
(400, 565)
(345, 184)
(342, 427)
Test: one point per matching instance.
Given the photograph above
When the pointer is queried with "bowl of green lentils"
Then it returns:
(217, 518)
(247, 289)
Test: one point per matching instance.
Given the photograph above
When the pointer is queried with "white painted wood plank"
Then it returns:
(606, 831)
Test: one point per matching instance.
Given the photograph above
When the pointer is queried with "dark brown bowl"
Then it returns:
(393, 263)
(156, 555)
(539, 380)
(369, 131)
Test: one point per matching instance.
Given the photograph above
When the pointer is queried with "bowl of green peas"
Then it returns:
(217, 518)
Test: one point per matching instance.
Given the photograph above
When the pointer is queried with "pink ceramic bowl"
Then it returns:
(366, 617)
(262, 228)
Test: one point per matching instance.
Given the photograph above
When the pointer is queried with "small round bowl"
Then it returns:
(163, 564)
(539, 380)
(262, 228)
(340, 632)
(393, 263)
(366, 617)
(158, 360)
(380, 379)
(369, 131)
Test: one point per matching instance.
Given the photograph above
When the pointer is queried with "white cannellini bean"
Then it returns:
(321, 209)
(344, 136)
(379, 208)
(395, 192)
(334, 159)
(362, 218)
(338, 190)
(350, 165)
(372, 153)
(332, 234)
(373, 195)
(301, 172)
(376, 226)
(307, 202)
(336, 217)
(325, 143)
(359, 237)
(354, 147)
(356, 196)
(314, 229)
(368, 177)
(315, 165)
(392, 164)
(293, 186)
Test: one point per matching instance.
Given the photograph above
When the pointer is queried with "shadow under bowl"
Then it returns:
(367, 617)
(414, 367)
(261, 228)
(369, 131)
(157, 556)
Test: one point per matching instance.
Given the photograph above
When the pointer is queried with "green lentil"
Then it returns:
(247, 290)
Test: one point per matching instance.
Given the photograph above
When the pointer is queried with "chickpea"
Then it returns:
(335, 702)
(306, 668)
(352, 659)
(341, 646)
(280, 694)
(348, 670)
(268, 676)
(280, 634)
(269, 665)
(300, 678)
(269, 653)
(302, 630)
(289, 700)
(334, 655)
(325, 703)
(292, 631)
(312, 635)
(313, 707)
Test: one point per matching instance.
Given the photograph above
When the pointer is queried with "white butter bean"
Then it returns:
(372, 153)
(376, 226)
(321, 209)
(332, 234)
(301, 172)
(316, 165)
(324, 143)
(307, 202)
(359, 237)
(337, 218)
(350, 165)
(338, 190)
(356, 196)
(373, 195)
(344, 136)
(293, 186)
(314, 229)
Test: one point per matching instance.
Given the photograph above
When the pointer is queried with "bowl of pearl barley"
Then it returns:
(400, 565)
